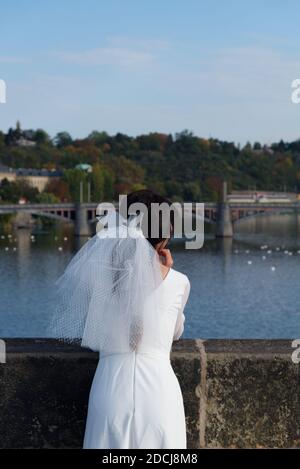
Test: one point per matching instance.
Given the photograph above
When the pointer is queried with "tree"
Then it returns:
(74, 178)
(2, 139)
(108, 187)
(192, 192)
(12, 191)
(183, 134)
(97, 183)
(62, 139)
(60, 189)
(41, 137)
(174, 190)
(47, 198)
(247, 147)
(127, 173)
(98, 138)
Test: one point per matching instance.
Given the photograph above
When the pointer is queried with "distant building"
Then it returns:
(20, 138)
(264, 150)
(84, 167)
(24, 142)
(38, 178)
(7, 173)
(261, 196)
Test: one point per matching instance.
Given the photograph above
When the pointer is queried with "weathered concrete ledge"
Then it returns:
(237, 393)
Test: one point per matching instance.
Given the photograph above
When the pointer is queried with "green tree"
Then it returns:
(98, 137)
(41, 137)
(12, 191)
(108, 187)
(62, 139)
(74, 178)
(97, 183)
(47, 198)
(127, 173)
(192, 192)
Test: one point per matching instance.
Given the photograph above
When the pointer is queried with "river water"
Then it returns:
(247, 287)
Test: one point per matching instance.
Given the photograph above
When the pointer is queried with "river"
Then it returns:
(246, 287)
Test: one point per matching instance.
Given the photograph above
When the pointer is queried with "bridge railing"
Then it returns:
(237, 393)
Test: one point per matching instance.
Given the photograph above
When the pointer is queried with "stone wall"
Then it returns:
(237, 393)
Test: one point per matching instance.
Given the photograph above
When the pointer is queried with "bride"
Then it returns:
(122, 297)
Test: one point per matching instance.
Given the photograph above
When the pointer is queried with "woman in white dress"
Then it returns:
(135, 399)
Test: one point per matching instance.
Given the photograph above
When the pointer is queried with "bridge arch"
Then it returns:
(264, 213)
(38, 213)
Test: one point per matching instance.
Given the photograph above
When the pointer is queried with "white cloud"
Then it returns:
(12, 60)
(134, 43)
(239, 74)
(253, 72)
(107, 56)
(119, 51)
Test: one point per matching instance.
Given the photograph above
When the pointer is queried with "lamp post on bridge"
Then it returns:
(82, 226)
(224, 227)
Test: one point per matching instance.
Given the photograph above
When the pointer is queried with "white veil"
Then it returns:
(107, 289)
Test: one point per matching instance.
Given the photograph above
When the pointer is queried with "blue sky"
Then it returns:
(218, 68)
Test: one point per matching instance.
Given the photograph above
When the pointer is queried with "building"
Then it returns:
(24, 142)
(84, 167)
(261, 196)
(7, 173)
(37, 178)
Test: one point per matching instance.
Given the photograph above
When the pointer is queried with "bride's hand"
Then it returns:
(166, 257)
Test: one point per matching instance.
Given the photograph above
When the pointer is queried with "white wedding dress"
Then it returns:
(135, 399)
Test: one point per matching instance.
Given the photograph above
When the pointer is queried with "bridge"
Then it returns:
(81, 215)
(224, 215)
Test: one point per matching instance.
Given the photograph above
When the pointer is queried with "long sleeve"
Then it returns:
(179, 327)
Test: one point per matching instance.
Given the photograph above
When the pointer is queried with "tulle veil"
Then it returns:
(107, 289)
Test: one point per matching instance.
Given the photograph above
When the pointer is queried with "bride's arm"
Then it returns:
(179, 327)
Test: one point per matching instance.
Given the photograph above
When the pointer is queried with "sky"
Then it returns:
(221, 69)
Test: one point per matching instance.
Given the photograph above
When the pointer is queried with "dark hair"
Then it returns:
(148, 197)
